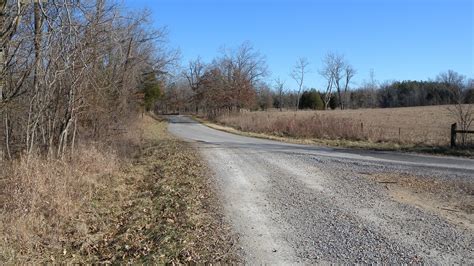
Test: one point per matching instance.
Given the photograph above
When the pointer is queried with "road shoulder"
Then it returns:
(340, 143)
(157, 206)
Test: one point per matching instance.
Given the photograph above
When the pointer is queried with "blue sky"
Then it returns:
(398, 39)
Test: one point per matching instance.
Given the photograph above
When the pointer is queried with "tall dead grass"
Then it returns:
(42, 201)
(411, 126)
(47, 205)
(295, 124)
(143, 197)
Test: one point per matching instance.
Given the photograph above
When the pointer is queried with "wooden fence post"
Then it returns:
(453, 135)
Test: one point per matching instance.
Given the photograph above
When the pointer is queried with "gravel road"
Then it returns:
(294, 203)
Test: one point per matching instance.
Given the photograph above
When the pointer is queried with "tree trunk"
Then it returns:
(38, 17)
(7, 137)
(2, 43)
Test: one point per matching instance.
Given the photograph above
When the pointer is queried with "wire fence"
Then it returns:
(414, 135)
(307, 125)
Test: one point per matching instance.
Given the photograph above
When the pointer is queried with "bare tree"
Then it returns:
(368, 92)
(336, 64)
(10, 16)
(87, 62)
(193, 75)
(451, 78)
(327, 73)
(338, 73)
(463, 113)
(265, 96)
(280, 90)
(349, 73)
(237, 72)
(249, 63)
(298, 74)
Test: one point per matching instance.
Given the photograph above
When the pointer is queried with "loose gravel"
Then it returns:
(297, 205)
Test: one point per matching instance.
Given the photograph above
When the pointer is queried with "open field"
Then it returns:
(424, 126)
(147, 199)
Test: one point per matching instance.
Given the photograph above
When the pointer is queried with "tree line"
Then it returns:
(408, 93)
(74, 70)
(238, 79)
(231, 82)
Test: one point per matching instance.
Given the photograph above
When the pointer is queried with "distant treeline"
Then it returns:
(238, 79)
(395, 94)
(409, 93)
(449, 88)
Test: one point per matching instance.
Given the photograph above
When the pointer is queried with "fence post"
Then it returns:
(453, 135)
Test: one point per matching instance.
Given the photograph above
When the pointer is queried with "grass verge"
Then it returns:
(156, 205)
(342, 143)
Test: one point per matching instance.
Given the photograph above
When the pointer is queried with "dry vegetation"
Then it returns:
(148, 201)
(83, 180)
(421, 126)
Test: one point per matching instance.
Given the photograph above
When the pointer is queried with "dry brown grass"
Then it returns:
(412, 125)
(42, 200)
(153, 204)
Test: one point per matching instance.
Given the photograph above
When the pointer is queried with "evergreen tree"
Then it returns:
(311, 100)
(152, 90)
(333, 102)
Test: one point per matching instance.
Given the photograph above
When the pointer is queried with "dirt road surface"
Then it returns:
(304, 204)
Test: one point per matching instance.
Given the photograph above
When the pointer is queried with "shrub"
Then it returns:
(333, 102)
(311, 100)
